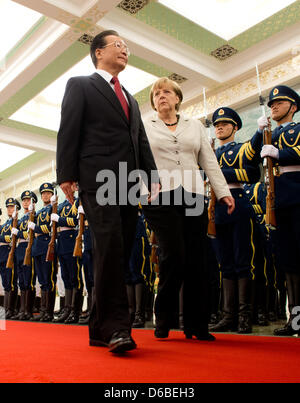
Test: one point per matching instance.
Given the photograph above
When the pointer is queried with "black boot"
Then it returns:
(293, 291)
(50, 300)
(77, 300)
(131, 301)
(29, 302)
(12, 300)
(228, 323)
(262, 317)
(61, 306)
(245, 308)
(282, 300)
(43, 307)
(139, 320)
(21, 314)
(65, 312)
(272, 303)
(5, 302)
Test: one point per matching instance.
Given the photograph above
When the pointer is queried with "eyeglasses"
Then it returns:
(119, 45)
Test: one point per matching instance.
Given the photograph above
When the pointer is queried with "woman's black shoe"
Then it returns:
(160, 333)
(205, 336)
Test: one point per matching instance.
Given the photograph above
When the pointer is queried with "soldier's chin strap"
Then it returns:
(288, 112)
(230, 134)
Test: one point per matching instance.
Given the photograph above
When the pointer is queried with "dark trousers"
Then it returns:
(288, 238)
(113, 231)
(26, 274)
(9, 277)
(183, 260)
(71, 271)
(87, 263)
(46, 272)
(237, 249)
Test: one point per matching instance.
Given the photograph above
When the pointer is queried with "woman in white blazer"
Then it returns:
(180, 147)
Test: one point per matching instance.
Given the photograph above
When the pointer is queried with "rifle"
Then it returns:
(267, 139)
(270, 201)
(11, 256)
(51, 247)
(27, 258)
(211, 228)
(78, 244)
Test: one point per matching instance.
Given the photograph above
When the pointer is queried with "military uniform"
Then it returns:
(70, 266)
(26, 274)
(240, 164)
(265, 278)
(8, 276)
(139, 275)
(87, 262)
(46, 271)
(286, 139)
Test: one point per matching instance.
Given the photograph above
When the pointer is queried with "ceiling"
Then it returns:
(211, 45)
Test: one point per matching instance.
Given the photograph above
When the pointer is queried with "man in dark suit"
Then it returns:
(100, 128)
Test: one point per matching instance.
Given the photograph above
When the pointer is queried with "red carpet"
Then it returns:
(33, 352)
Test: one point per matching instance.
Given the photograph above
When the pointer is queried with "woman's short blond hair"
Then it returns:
(165, 81)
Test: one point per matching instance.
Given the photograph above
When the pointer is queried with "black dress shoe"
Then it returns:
(161, 333)
(203, 336)
(121, 342)
(97, 343)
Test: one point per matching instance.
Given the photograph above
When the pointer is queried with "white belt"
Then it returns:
(290, 168)
(4, 244)
(62, 229)
(23, 240)
(235, 185)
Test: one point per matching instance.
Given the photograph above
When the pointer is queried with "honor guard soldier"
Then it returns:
(87, 262)
(138, 275)
(264, 267)
(8, 275)
(67, 222)
(240, 164)
(285, 151)
(26, 274)
(46, 271)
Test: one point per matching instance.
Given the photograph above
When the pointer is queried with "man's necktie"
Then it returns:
(120, 95)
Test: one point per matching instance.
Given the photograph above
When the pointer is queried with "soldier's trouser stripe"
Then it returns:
(253, 248)
(144, 259)
(78, 273)
(32, 273)
(52, 273)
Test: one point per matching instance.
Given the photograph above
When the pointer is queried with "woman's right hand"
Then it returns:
(230, 202)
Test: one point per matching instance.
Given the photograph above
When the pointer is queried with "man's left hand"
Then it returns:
(69, 188)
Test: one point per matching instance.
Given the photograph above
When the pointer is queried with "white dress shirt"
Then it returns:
(107, 77)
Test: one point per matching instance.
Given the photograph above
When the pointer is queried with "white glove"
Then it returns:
(30, 208)
(31, 225)
(54, 217)
(53, 200)
(14, 215)
(80, 210)
(14, 231)
(269, 151)
(262, 122)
